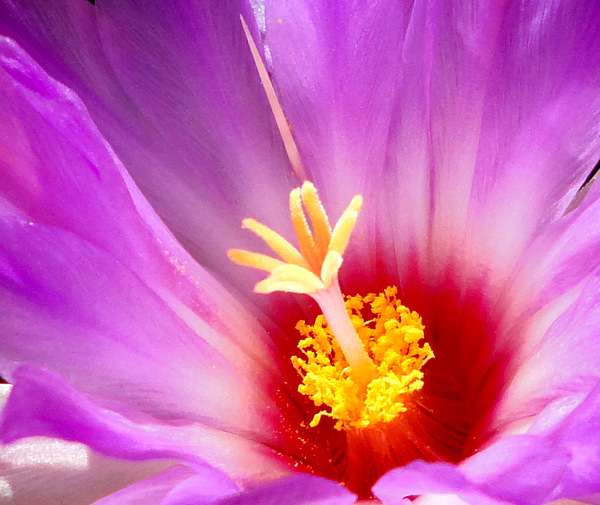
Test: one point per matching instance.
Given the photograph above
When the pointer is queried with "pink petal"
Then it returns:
(556, 293)
(95, 286)
(336, 66)
(519, 470)
(298, 489)
(43, 403)
(556, 459)
(180, 101)
(576, 430)
(45, 471)
(165, 488)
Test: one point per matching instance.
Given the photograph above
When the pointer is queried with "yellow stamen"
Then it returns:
(345, 225)
(320, 254)
(254, 260)
(318, 217)
(362, 370)
(276, 242)
(303, 233)
(391, 333)
(290, 278)
(332, 306)
(312, 270)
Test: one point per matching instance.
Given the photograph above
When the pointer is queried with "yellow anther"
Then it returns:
(320, 253)
(318, 218)
(276, 242)
(290, 278)
(363, 374)
(254, 260)
(391, 334)
(343, 228)
(303, 233)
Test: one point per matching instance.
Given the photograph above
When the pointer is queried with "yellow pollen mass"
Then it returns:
(391, 334)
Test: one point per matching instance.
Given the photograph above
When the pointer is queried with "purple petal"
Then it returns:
(579, 433)
(563, 363)
(556, 292)
(45, 471)
(557, 459)
(433, 499)
(43, 403)
(510, 115)
(567, 251)
(298, 489)
(571, 427)
(336, 66)
(207, 486)
(179, 100)
(75, 309)
(429, 479)
(513, 131)
(160, 489)
(91, 280)
(59, 171)
(520, 470)
(482, 118)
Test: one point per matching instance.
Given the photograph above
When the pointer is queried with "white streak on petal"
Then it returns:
(59, 454)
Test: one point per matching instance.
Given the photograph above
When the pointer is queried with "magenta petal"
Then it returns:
(298, 489)
(563, 255)
(336, 65)
(428, 478)
(162, 488)
(579, 433)
(539, 128)
(551, 318)
(564, 362)
(58, 170)
(510, 107)
(482, 117)
(520, 469)
(43, 403)
(179, 100)
(90, 279)
(150, 491)
(206, 486)
(75, 309)
(571, 427)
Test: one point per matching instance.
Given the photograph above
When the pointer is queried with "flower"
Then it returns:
(134, 140)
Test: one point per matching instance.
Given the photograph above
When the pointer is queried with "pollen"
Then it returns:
(391, 335)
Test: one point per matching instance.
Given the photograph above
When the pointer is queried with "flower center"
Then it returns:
(362, 357)
(390, 333)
